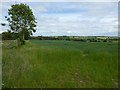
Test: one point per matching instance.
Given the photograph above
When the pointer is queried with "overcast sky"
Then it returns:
(72, 18)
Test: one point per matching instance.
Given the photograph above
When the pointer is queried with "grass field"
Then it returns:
(61, 64)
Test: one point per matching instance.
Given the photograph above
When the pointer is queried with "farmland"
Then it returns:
(60, 64)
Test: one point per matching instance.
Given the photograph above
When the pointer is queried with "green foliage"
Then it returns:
(7, 36)
(21, 20)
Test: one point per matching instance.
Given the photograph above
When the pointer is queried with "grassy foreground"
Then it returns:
(61, 64)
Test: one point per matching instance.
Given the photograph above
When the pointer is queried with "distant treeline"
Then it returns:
(13, 36)
(77, 38)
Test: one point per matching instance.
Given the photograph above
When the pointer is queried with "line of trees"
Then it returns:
(72, 38)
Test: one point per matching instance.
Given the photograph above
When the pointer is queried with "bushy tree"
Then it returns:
(21, 20)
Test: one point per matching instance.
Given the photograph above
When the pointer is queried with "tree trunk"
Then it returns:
(23, 37)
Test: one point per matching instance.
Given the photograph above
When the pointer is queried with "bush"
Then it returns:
(105, 40)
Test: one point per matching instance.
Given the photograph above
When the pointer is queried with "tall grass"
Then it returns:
(61, 64)
(0, 63)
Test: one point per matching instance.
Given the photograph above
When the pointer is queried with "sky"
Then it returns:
(71, 18)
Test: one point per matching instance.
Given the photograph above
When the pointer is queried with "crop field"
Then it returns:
(60, 64)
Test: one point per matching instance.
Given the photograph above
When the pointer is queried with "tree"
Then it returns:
(21, 20)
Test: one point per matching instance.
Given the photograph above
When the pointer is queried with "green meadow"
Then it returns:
(60, 64)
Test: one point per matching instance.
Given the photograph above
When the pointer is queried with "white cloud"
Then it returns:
(76, 25)
(98, 19)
